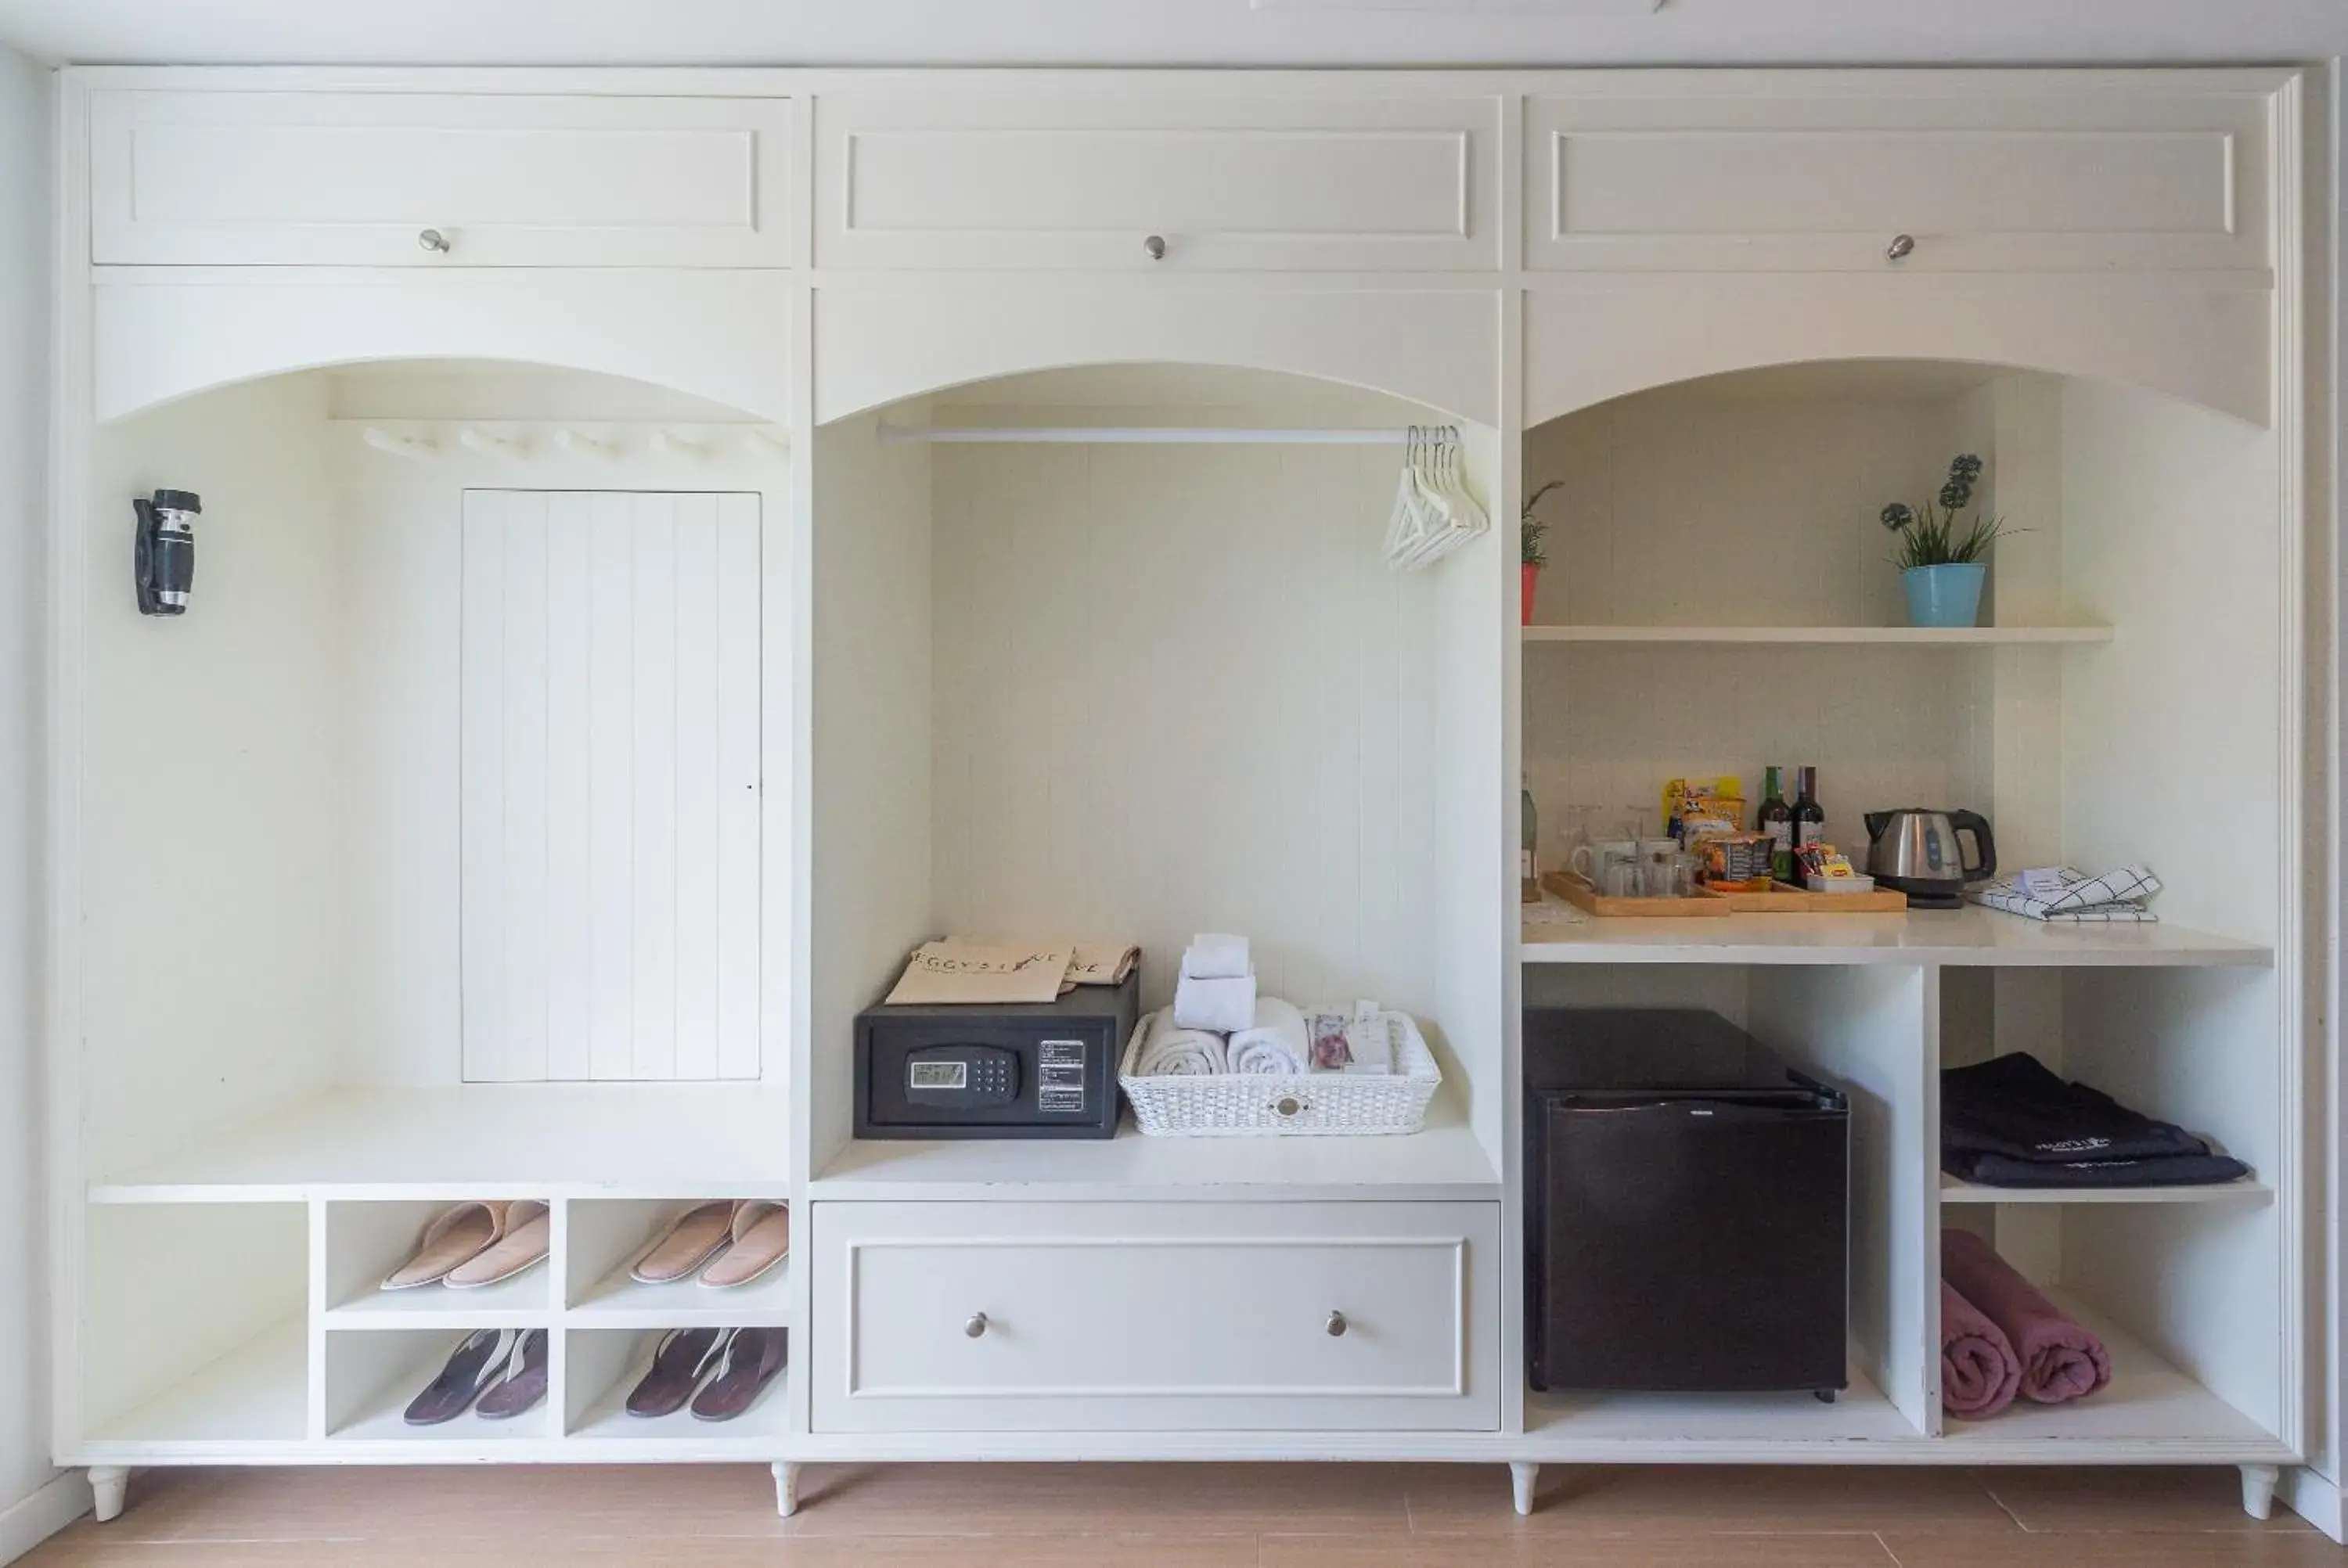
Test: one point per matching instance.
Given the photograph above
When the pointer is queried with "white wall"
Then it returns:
(23, 438)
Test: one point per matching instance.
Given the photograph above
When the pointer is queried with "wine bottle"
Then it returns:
(1777, 819)
(1809, 816)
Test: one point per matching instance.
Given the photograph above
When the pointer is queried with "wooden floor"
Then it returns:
(1189, 1516)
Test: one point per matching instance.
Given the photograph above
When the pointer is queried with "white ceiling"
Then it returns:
(1170, 32)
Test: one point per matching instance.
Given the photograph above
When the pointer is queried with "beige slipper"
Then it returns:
(455, 1235)
(688, 1244)
(529, 1232)
(762, 1238)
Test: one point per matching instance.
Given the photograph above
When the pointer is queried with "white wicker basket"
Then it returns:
(1310, 1105)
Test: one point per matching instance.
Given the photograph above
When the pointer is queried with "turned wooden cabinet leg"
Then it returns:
(787, 1487)
(2258, 1489)
(1522, 1478)
(110, 1484)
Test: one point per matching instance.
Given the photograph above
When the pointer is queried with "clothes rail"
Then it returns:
(1141, 435)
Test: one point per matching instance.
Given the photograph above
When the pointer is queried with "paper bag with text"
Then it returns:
(955, 971)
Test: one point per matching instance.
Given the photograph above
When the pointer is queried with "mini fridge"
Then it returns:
(1687, 1200)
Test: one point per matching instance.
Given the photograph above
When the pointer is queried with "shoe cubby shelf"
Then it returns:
(264, 1384)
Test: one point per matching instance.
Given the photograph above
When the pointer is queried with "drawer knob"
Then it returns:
(433, 241)
(976, 1327)
(1156, 247)
(1338, 1325)
(1902, 246)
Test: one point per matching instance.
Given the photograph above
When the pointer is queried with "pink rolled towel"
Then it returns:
(2060, 1360)
(1979, 1371)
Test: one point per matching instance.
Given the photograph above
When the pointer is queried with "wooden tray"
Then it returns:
(1785, 899)
(1581, 896)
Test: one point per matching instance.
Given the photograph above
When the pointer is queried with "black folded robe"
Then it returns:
(2006, 1118)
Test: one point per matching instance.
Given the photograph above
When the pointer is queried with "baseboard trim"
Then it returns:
(2314, 1499)
(25, 1525)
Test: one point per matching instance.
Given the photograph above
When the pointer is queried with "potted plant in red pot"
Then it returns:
(1534, 534)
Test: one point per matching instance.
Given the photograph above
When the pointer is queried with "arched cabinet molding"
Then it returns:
(878, 346)
(2208, 346)
(722, 336)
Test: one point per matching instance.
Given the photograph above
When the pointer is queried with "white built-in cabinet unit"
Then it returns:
(601, 674)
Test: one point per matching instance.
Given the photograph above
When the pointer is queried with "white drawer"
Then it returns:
(354, 178)
(1155, 1317)
(1295, 182)
(1982, 178)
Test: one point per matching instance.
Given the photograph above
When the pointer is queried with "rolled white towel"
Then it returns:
(1210, 957)
(1225, 1006)
(1167, 1050)
(1278, 1046)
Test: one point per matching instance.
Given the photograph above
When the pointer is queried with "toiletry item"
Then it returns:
(1776, 820)
(1369, 1040)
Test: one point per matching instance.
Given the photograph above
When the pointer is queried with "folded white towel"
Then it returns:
(1276, 1047)
(1214, 957)
(1167, 1049)
(1225, 1006)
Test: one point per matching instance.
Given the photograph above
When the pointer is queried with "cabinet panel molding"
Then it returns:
(438, 180)
(1137, 185)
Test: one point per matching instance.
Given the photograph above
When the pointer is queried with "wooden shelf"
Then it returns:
(256, 1395)
(517, 1303)
(618, 1301)
(485, 1140)
(1971, 936)
(2150, 1408)
(1442, 1160)
(1561, 1425)
(2249, 1190)
(1830, 636)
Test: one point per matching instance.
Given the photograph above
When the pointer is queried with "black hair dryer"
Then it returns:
(163, 561)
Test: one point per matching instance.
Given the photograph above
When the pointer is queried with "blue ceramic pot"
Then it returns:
(1944, 595)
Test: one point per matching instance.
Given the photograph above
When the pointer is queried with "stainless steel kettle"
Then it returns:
(1919, 853)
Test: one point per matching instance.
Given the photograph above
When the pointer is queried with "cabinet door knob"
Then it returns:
(433, 241)
(976, 1327)
(1902, 246)
(1338, 1325)
(1156, 247)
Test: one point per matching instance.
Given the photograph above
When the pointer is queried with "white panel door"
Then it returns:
(1295, 181)
(610, 786)
(1156, 1317)
(504, 179)
(1983, 174)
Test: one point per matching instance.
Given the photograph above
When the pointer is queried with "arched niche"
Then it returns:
(879, 346)
(1586, 345)
(1152, 687)
(722, 336)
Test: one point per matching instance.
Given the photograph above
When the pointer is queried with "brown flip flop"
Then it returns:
(684, 1358)
(529, 1232)
(753, 1357)
(455, 1235)
(688, 1244)
(471, 1366)
(523, 1384)
(762, 1238)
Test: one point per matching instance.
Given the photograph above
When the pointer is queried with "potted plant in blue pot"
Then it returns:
(1942, 569)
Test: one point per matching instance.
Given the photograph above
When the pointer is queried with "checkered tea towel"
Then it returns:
(2117, 898)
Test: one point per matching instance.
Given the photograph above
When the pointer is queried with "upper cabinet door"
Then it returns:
(1208, 181)
(1940, 174)
(438, 180)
